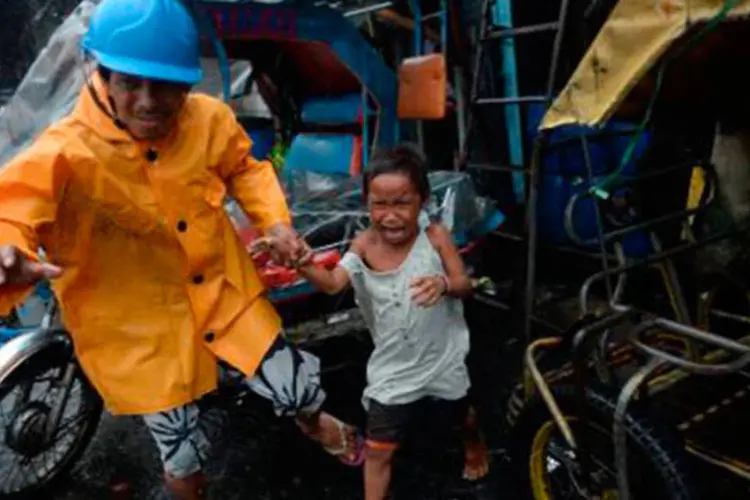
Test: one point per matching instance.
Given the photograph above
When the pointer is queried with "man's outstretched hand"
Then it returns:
(17, 269)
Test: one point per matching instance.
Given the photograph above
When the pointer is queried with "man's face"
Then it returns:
(147, 108)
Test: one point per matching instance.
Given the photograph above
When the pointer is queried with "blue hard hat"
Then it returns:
(155, 39)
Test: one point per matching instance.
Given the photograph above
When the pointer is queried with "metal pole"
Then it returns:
(476, 74)
(460, 110)
(597, 213)
(365, 124)
(417, 11)
(367, 10)
(503, 17)
(534, 172)
(397, 120)
(556, 49)
(443, 25)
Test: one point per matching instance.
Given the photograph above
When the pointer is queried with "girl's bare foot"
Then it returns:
(476, 454)
(476, 460)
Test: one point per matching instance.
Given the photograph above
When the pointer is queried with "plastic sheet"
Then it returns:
(327, 210)
(51, 87)
(330, 217)
(322, 205)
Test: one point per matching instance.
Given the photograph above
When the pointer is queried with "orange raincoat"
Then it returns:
(156, 283)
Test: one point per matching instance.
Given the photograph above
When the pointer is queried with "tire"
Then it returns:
(88, 410)
(657, 466)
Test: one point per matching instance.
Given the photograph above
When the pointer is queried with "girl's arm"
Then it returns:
(331, 281)
(458, 281)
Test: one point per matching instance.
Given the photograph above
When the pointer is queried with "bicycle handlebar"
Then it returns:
(679, 329)
(583, 294)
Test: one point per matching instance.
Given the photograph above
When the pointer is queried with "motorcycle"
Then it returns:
(48, 409)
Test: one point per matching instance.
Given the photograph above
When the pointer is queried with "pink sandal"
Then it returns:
(354, 459)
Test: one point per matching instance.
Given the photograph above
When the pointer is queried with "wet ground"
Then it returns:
(256, 456)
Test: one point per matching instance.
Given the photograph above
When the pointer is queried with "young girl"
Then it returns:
(408, 282)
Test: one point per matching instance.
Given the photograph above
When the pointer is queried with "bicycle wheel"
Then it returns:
(547, 469)
(29, 462)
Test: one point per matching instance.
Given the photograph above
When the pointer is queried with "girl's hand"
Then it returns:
(304, 256)
(427, 290)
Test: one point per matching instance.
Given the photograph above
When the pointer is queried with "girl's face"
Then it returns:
(394, 205)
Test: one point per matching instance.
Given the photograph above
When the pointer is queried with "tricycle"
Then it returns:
(641, 392)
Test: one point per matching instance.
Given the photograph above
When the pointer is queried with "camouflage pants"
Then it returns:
(288, 377)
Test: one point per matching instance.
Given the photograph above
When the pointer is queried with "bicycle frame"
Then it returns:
(25, 343)
(585, 339)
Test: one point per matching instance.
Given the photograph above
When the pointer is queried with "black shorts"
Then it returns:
(388, 425)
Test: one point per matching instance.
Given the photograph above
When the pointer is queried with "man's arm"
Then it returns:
(30, 187)
(253, 183)
(255, 186)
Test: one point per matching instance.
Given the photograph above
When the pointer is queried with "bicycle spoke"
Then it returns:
(15, 468)
(20, 473)
(60, 431)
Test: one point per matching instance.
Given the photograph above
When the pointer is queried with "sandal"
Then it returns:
(355, 459)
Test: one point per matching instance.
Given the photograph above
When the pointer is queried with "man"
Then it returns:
(126, 196)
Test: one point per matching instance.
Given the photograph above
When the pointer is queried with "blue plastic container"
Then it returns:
(564, 176)
(262, 142)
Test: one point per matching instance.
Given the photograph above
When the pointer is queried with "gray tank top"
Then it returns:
(419, 352)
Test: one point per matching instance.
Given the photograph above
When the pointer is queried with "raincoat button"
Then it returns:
(209, 336)
(197, 279)
(182, 226)
(151, 155)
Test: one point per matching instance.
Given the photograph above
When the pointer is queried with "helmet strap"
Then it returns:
(97, 100)
(118, 123)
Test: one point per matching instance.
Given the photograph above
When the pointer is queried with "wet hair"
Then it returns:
(104, 72)
(405, 159)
